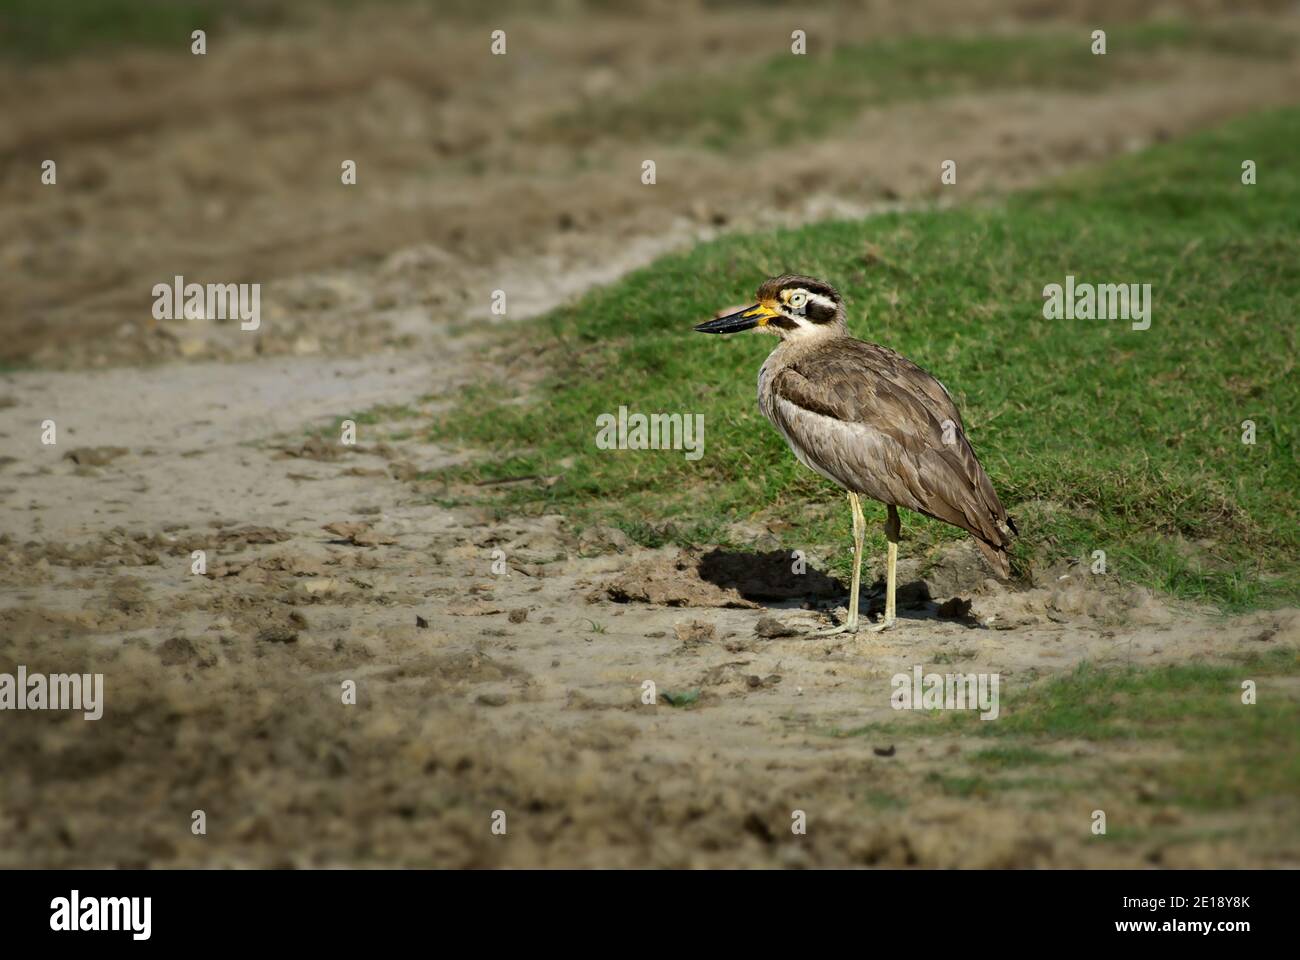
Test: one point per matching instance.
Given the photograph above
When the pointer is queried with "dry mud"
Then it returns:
(478, 690)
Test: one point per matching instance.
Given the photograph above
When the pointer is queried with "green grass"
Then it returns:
(51, 29)
(797, 97)
(1001, 757)
(1210, 750)
(1095, 435)
(39, 29)
(982, 786)
(883, 800)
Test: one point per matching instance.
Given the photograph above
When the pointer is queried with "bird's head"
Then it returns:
(789, 306)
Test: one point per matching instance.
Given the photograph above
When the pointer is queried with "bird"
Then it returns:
(871, 421)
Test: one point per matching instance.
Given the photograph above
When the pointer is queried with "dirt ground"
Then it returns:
(477, 690)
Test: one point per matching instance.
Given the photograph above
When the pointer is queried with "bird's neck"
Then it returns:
(796, 342)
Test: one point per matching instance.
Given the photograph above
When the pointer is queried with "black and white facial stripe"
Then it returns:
(808, 306)
(804, 303)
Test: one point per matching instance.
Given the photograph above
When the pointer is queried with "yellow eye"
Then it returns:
(798, 300)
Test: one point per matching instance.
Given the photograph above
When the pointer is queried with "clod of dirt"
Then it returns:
(491, 699)
(694, 632)
(128, 595)
(958, 568)
(357, 533)
(518, 615)
(177, 650)
(320, 586)
(770, 628)
(888, 751)
(252, 535)
(95, 456)
(603, 539)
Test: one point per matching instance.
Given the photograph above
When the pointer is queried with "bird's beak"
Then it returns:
(747, 319)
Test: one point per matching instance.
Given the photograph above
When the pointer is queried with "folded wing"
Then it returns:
(877, 424)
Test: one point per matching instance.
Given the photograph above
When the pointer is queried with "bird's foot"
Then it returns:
(883, 625)
(835, 631)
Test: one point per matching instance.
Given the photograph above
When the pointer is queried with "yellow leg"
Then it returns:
(859, 531)
(893, 529)
(850, 624)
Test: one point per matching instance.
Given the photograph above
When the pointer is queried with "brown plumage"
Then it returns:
(870, 420)
(874, 422)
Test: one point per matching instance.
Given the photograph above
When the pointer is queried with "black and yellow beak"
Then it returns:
(755, 316)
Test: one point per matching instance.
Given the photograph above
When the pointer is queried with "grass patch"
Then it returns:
(40, 30)
(1011, 757)
(51, 29)
(1213, 752)
(807, 96)
(883, 800)
(680, 698)
(983, 786)
(1097, 436)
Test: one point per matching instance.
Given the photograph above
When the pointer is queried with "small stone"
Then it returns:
(176, 650)
(318, 585)
(694, 631)
(492, 699)
(518, 615)
(770, 628)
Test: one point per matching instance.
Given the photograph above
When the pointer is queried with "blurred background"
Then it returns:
(477, 171)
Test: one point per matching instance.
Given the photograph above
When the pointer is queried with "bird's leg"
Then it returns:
(893, 529)
(859, 531)
(850, 624)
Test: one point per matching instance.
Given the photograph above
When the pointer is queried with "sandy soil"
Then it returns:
(521, 692)
(477, 691)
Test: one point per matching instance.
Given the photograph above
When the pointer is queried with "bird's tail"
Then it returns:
(996, 553)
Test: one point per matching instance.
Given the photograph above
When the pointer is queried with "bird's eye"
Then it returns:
(797, 300)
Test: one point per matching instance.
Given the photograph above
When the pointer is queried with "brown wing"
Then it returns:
(874, 422)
